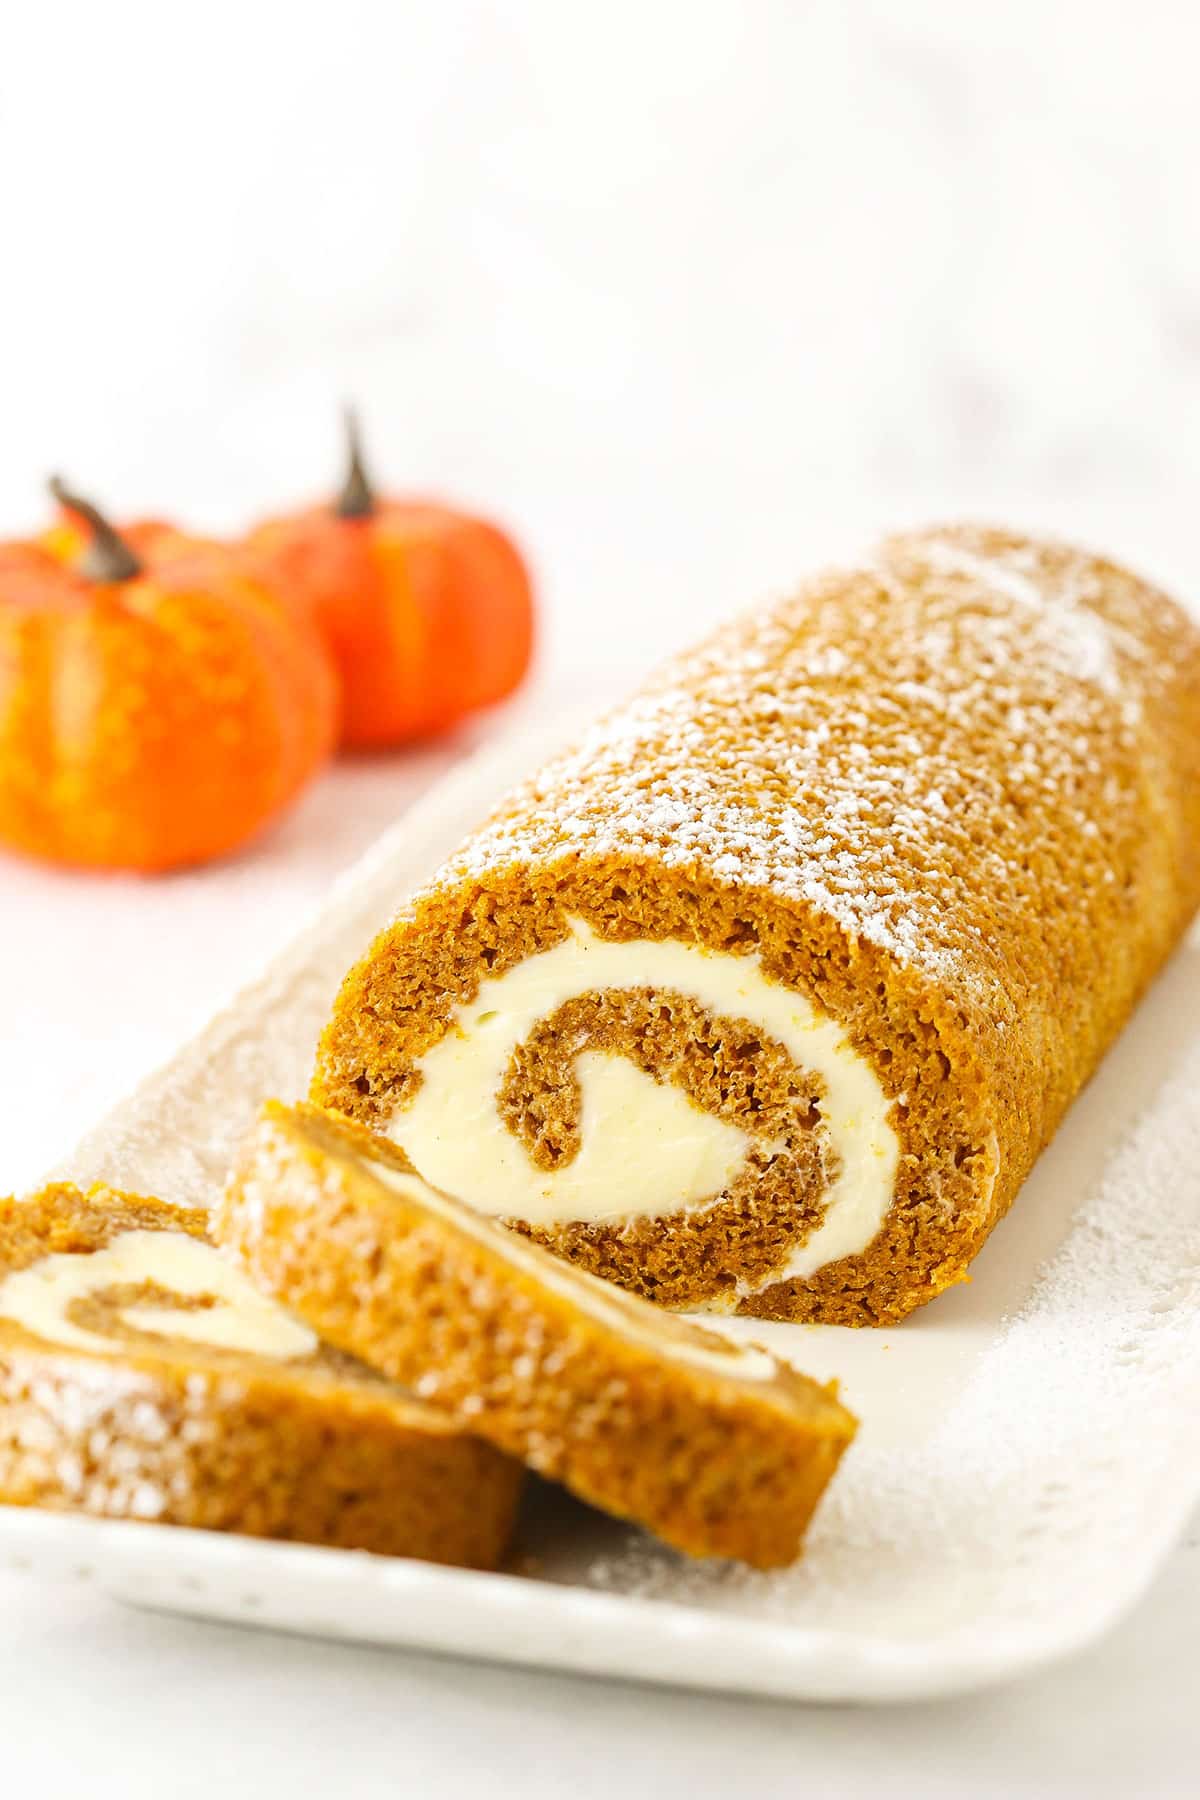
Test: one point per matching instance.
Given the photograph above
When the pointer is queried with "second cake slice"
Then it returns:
(718, 1448)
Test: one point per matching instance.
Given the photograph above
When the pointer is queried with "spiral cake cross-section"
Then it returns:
(767, 995)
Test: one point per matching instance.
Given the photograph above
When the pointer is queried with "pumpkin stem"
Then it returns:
(357, 498)
(107, 557)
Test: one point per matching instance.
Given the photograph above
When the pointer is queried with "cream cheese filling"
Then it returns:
(646, 1149)
(240, 1318)
(636, 1320)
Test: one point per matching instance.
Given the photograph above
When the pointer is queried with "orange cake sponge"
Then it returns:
(716, 1447)
(142, 1377)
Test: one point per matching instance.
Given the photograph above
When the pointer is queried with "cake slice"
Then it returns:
(143, 1377)
(716, 1447)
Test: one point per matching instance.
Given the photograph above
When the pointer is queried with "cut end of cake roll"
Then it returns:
(716, 1447)
(634, 1084)
(766, 997)
(143, 1376)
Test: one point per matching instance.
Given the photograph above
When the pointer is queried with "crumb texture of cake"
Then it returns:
(144, 1376)
(717, 1447)
(767, 995)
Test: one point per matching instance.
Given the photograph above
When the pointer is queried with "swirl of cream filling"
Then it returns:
(238, 1317)
(647, 1149)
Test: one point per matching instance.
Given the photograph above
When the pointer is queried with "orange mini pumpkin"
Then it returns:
(427, 612)
(158, 705)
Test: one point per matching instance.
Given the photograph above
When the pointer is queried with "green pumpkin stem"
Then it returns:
(107, 557)
(357, 498)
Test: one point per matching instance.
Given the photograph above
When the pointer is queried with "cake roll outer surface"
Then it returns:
(767, 995)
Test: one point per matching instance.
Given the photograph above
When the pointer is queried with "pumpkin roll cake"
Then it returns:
(767, 995)
(142, 1376)
(715, 1446)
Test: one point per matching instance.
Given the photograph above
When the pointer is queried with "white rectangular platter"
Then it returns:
(1028, 1453)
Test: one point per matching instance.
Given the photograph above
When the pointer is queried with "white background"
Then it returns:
(691, 295)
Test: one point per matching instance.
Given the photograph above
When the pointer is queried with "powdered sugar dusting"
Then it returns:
(864, 746)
